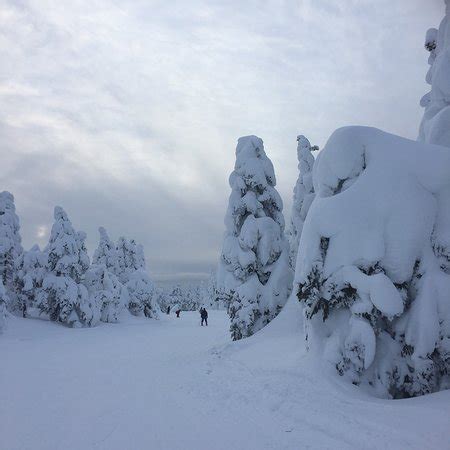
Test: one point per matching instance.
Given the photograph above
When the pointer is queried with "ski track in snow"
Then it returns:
(171, 384)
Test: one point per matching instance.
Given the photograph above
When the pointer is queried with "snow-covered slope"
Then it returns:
(171, 384)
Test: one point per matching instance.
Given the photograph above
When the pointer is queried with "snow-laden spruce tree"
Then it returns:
(107, 292)
(142, 294)
(3, 303)
(132, 273)
(162, 299)
(102, 283)
(66, 299)
(374, 285)
(10, 242)
(106, 253)
(31, 270)
(130, 258)
(435, 126)
(303, 194)
(254, 270)
(176, 296)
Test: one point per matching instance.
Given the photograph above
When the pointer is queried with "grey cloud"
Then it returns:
(127, 113)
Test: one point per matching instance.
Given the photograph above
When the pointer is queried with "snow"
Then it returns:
(171, 384)
(253, 276)
(375, 247)
(434, 128)
(303, 194)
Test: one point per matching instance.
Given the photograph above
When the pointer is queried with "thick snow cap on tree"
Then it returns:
(373, 266)
(10, 240)
(435, 126)
(303, 194)
(254, 273)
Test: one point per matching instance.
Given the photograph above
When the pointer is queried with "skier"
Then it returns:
(204, 316)
(177, 312)
(168, 309)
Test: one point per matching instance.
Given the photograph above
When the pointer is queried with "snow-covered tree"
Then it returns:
(142, 294)
(303, 195)
(210, 296)
(102, 283)
(3, 303)
(162, 299)
(374, 288)
(435, 126)
(176, 296)
(132, 273)
(107, 292)
(31, 270)
(130, 258)
(66, 299)
(254, 268)
(10, 242)
(106, 253)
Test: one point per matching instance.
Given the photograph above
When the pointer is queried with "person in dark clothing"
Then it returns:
(168, 310)
(177, 312)
(204, 316)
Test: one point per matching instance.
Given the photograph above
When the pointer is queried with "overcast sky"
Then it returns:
(126, 113)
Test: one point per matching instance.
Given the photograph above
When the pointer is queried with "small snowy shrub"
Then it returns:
(254, 273)
(373, 281)
(303, 195)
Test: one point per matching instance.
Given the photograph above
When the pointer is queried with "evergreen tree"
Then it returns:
(66, 299)
(30, 274)
(435, 125)
(106, 291)
(106, 253)
(3, 303)
(303, 195)
(176, 296)
(132, 273)
(162, 299)
(130, 258)
(142, 295)
(254, 265)
(374, 288)
(10, 242)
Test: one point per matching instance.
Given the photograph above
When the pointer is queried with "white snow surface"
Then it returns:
(171, 384)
